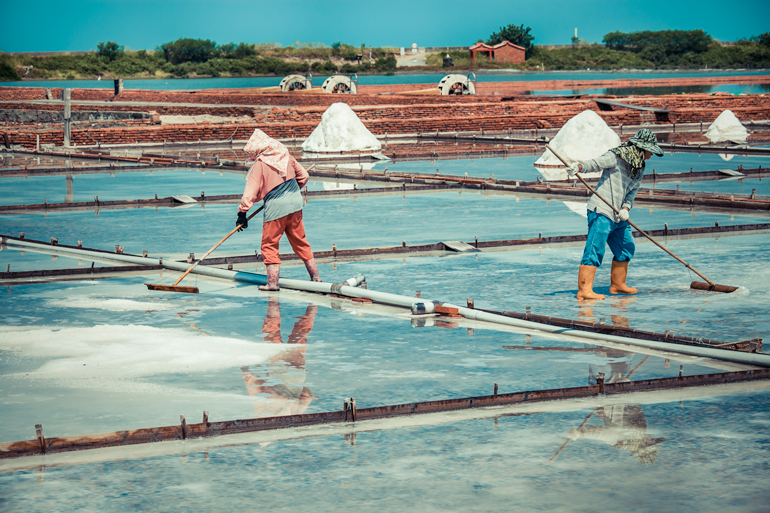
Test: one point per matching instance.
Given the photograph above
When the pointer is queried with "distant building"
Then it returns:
(501, 52)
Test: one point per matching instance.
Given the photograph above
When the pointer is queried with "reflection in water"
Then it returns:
(625, 426)
(279, 382)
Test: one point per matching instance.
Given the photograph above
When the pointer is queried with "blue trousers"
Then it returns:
(601, 232)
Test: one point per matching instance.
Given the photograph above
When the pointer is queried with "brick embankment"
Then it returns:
(524, 86)
(686, 107)
(391, 114)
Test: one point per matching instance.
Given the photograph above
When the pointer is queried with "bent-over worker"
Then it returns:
(622, 171)
(276, 178)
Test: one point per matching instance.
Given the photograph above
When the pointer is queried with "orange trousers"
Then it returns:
(294, 229)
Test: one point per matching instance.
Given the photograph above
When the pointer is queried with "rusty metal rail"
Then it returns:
(342, 255)
(184, 431)
(746, 204)
(381, 253)
(203, 200)
(753, 345)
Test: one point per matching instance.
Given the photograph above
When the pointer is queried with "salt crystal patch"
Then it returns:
(584, 137)
(340, 130)
(202, 118)
(113, 352)
(727, 127)
(112, 305)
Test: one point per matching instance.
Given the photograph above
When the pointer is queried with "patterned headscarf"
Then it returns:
(633, 155)
(266, 149)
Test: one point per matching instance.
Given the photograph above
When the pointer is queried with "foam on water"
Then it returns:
(112, 305)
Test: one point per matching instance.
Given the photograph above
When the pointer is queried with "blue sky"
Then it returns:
(45, 25)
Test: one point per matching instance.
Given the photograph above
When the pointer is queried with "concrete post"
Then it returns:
(118, 86)
(70, 196)
(67, 97)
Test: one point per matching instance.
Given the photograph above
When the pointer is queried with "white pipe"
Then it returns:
(349, 289)
(215, 272)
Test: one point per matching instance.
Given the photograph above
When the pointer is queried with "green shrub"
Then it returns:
(8, 72)
(109, 50)
(189, 50)
(386, 64)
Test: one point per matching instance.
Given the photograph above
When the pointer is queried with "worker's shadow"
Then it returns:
(279, 382)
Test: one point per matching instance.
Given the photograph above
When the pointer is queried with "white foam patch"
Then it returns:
(584, 137)
(406, 374)
(115, 352)
(330, 186)
(727, 127)
(113, 305)
(340, 130)
(203, 118)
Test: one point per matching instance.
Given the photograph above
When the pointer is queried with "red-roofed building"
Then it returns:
(501, 52)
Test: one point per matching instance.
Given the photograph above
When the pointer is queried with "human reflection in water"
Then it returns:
(282, 377)
(625, 426)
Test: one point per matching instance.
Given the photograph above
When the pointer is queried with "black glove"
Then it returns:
(242, 221)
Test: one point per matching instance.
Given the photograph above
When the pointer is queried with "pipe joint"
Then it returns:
(425, 307)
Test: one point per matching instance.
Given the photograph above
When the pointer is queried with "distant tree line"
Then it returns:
(663, 49)
(201, 57)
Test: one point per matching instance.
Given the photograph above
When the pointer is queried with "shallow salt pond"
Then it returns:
(704, 454)
(86, 357)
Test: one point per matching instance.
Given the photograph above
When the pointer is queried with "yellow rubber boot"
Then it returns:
(586, 283)
(618, 277)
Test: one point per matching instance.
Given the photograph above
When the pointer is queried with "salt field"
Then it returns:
(443, 363)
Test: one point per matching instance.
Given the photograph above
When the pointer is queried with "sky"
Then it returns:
(77, 25)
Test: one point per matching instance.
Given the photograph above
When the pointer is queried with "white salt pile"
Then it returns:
(727, 127)
(584, 137)
(578, 207)
(340, 130)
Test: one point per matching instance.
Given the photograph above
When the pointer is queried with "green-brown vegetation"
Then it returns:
(670, 49)
(202, 58)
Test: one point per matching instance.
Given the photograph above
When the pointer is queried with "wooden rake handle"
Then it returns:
(221, 241)
(629, 222)
(198, 261)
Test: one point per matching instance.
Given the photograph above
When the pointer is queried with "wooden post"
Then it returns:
(67, 97)
(40, 436)
(118, 86)
(184, 427)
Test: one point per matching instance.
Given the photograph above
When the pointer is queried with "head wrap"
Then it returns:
(633, 155)
(266, 149)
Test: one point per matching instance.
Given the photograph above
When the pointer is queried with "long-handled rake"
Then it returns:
(709, 285)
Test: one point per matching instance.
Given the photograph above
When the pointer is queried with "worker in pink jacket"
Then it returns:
(276, 179)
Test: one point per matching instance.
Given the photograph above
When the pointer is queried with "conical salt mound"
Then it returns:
(340, 130)
(727, 127)
(584, 137)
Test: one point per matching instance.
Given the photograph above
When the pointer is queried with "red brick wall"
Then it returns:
(509, 54)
